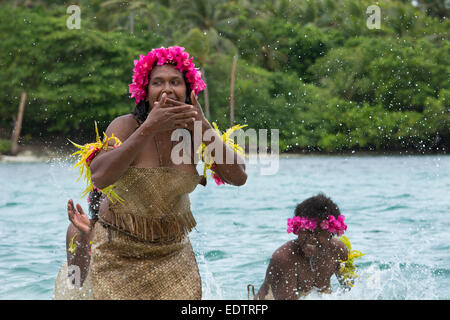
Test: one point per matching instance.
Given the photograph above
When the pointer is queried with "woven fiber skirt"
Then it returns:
(65, 290)
(125, 268)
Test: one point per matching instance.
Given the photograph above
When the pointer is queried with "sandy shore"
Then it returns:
(38, 153)
(45, 153)
(24, 157)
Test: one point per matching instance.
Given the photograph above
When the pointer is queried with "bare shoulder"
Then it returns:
(279, 273)
(122, 127)
(283, 254)
(278, 261)
(341, 251)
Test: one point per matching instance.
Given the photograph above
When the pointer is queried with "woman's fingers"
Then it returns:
(180, 125)
(185, 115)
(194, 99)
(195, 103)
(72, 212)
(70, 208)
(183, 108)
(183, 123)
(174, 102)
(161, 101)
(80, 209)
(163, 98)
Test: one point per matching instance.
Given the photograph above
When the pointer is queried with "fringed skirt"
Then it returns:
(124, 267)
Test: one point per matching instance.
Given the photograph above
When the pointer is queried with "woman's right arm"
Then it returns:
(108, 166)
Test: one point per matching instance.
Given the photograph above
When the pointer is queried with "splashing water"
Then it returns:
(396, 281)
(396, 209)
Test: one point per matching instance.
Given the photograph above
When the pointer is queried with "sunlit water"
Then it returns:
(397, 210)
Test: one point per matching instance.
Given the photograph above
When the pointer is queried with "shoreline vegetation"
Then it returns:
(45, 151)
(318, 74)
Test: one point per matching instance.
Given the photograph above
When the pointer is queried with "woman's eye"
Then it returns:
(175, 82)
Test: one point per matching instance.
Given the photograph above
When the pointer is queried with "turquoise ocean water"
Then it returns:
(397, 209)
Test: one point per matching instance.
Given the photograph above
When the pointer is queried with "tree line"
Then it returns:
(312, 69)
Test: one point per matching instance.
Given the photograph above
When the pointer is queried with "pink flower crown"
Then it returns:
(174, 55)
(332, 225)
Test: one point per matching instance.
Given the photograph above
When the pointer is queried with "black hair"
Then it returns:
(142, 109)
(94, 204)
(319, 206)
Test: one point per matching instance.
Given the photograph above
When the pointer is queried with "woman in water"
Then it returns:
(79, 238)
(309, 261)
(140, 245)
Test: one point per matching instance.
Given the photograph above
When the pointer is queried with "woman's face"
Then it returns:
(168, 79)
(314, 242)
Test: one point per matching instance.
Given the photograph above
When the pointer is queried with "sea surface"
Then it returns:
(397, 209)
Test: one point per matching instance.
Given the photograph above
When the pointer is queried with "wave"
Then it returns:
(10, 204)
(214, 255)
(393, 281)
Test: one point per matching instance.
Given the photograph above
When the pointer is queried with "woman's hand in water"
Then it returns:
(78, 218)
(168, 114)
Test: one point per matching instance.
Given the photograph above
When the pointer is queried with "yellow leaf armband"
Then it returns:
(348, 268)
(86, 154)
(72, 246)
(205, 155)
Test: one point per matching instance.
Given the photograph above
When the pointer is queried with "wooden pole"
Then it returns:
(18, 126)
(233, 71)
(208, 113)
(132, 21)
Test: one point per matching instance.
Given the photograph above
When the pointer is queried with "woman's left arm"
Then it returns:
(230, 167)
(232, 172)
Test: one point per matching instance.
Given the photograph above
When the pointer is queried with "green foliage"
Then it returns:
(197, 43)
(283, 46)
(310, 68)
(5, 146)
(71, 76)
(399, 74)
(437, 8)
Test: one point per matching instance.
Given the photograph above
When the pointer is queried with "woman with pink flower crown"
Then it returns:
(309, 261)
(140, 242)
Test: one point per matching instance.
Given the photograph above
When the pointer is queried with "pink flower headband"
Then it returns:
(332, 225)
(174, 55)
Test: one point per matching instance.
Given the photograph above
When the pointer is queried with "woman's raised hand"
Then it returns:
(78, 218)
(197, 107)
(163, 117)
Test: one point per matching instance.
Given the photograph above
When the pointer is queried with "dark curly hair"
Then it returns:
(95, 197)
(142, 109)
(319, 206)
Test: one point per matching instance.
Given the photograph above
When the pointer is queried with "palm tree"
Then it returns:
(120, 11)
(211, 17)
(197, 43)
(214, 20)
(437, 8)
(26, 3)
